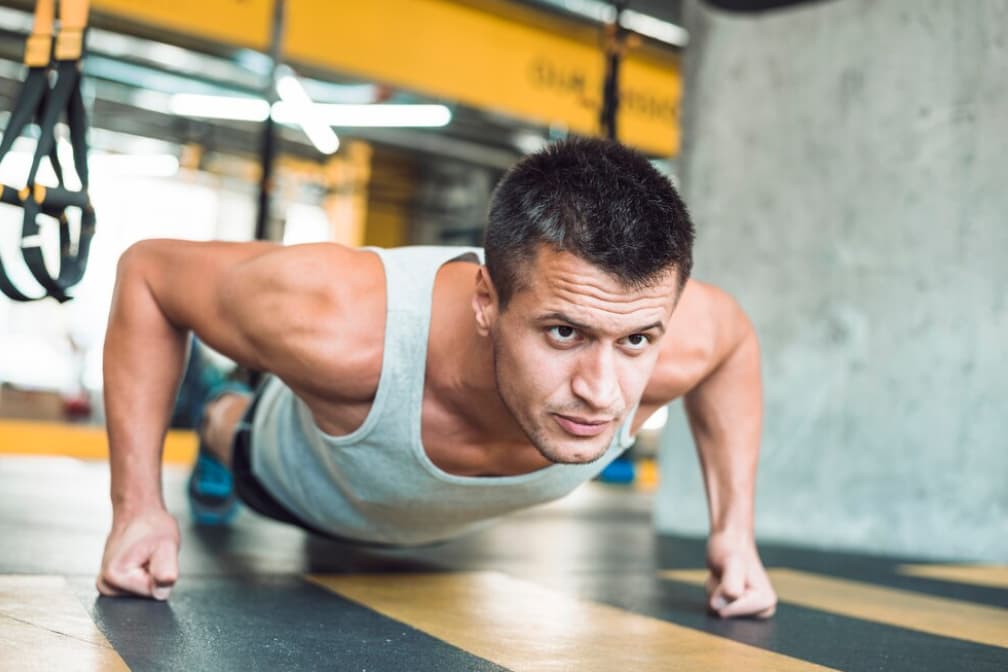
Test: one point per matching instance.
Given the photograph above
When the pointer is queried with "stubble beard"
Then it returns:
(536, 434)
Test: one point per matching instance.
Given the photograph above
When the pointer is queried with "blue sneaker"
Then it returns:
(212, 498)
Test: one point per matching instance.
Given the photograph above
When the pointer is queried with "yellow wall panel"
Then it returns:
(544, 69)
(244, 23)
(531, 70)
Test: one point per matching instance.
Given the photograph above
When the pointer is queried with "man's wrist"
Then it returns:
(127, 506)
(733, 520)
(732, 534)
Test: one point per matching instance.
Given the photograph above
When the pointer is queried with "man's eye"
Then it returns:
(562, 333)
(637, 341)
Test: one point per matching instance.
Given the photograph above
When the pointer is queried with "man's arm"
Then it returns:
(263, 305)
(725, 414)
(163, 289)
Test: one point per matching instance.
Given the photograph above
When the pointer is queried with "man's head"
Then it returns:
(587, 249)
(596, 199)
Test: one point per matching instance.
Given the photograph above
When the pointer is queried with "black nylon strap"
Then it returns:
(37, 100)
(65, 95)
(27, 106)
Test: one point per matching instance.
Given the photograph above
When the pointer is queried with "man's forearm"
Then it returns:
(725, 414)
(143, 358)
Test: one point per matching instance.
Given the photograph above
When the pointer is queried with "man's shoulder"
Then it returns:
(695, 340)
(317, 313)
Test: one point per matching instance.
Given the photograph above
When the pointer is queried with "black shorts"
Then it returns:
(255, 495)
(249, 489)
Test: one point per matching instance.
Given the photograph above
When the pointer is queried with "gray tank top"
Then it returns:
(377, 484)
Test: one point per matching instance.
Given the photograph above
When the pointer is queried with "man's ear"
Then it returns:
(484, 302)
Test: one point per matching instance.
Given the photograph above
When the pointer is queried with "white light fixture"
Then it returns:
(238, 108)
(305, 112)
(388, 116)
(645, 24)
(663, 31)
(234, 108)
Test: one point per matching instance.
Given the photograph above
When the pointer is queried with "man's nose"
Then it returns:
(595, 382)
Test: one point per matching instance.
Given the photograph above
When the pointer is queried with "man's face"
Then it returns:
(574, 351)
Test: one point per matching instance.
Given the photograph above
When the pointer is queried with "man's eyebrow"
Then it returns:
(560, 317)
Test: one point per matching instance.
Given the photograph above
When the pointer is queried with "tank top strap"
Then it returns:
(409, 281)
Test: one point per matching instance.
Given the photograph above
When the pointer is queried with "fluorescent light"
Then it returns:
(235, 108)
(592, 9)
(15, 20)
(334, 114)
(305, 113)
(662, 31)
(645, 24)
(239, 108)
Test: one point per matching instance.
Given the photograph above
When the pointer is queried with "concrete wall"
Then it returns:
(847, 166)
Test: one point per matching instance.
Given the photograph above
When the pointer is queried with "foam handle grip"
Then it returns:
(39, 43)
(73, 20)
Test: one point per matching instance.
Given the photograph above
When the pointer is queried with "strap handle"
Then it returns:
(73, 21)
(65, 94)
(38, 47)
(47, 105)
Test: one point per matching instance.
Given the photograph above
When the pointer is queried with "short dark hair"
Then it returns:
(596, 199)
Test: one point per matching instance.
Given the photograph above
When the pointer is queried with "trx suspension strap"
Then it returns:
(44, 103)
(616, 43)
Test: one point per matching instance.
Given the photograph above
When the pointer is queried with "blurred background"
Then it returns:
(844, 161)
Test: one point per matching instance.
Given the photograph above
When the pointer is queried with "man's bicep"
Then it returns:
(193, 283)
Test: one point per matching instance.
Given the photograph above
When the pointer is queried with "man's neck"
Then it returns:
(460, 366)
(461, 390)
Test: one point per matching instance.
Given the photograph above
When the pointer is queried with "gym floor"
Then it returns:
(582, 584)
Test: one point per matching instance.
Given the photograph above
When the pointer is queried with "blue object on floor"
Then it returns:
(620, 470)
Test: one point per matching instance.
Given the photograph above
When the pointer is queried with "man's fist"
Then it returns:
(141, 556)
(738, 584)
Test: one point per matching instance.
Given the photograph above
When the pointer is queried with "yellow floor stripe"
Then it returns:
(23, 437)
(44, 627)
(523, 626)
(934, 615)
(992, 576)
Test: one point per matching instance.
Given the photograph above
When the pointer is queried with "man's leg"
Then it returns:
(220, 421)
(212, 496)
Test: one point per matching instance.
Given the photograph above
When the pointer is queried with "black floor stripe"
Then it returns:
(55, 514)
(832, 640)
(272, 624)
(877, 570)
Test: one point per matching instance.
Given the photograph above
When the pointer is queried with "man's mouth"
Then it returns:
(582, 426)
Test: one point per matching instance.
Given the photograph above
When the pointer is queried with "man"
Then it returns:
(415, 393)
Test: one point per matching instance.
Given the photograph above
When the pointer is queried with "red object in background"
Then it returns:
(77, 406)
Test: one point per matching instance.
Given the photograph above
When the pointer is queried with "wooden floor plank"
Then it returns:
(523, 626)
(44, 627)
(991, 576)
(935, 615)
